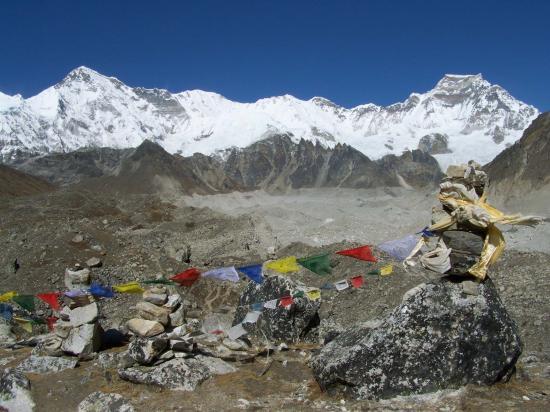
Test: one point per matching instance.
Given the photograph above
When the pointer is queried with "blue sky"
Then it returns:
(351, 52)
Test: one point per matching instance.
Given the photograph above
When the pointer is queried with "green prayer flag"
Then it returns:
(25, 301)
(158, 281)
(299, 294)
(374, 272)
(319, 264)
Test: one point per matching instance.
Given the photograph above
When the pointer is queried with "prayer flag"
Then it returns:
(426, 233)
(254, 272)
(362, 253)
(257, 306)
(228, 273)
(271, 304)
(298, 294)
(75, 293)
(286, 301)
(6, 311)
(50, 321)
(7, 296)
(130, 287)
(187, 277)
(284, 265)
(314, 294)
(25, 301)
(374, 272)
(357, 281)
(24, 323)
(236, 332)
(319, 264)
(251, 317)
(399, 248)
(327, 286)
(103, 291)
(386, 270)
(157, 282)
(341, 285)
(50, 299)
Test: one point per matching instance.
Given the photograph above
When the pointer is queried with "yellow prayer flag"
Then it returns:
(284, 265)
(8, 296)
(386, 270)
(314, 294)
(130, 287)
(24, 323)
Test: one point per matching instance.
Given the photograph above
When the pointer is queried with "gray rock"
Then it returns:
(84, 314)
(470, 287)
(183, 345)
(173, 302)
(178, 374)
(145, 328)
(177, 318)
(145, 351)
(94, 262)
(78, 238)
(50, 345)
(15, 391)
(149, 311)
(6, 335)
(434, 143)
(234, 344)
(438, 338)
(216, 366)
(465, 250)
(46, 364)
(154, 298)
(280, 323)
(108, 360)
(77, 279)
(105, 402)
(83, 341)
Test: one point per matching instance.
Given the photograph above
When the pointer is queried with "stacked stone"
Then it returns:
(77, 278)
(76, 333)
(158, 312)
(464, 240)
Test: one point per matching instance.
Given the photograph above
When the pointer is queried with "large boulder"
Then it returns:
(442, 335)
(145, 351)
(178, 374)
(280, 323)
(46, 364)
(15, 391)
(84, 314)
(83, 341)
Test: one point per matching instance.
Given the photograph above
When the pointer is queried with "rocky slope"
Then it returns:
(273, 164)
(16, 183)
(524, 168)
(462, 117)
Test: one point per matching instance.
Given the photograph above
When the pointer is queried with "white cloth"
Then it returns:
(341, 285)
(229, 273)
(252, 317)
(236, 332)
(271, 304)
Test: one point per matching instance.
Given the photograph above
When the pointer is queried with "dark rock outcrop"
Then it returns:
(434, 143)
(443, 335)
(278, 324)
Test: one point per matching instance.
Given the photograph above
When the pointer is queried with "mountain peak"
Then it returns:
(461, 82)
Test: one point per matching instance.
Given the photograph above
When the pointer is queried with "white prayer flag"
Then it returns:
(341, 285)
(236, 332)
(252, 317)
(228, 273)
(271, 304)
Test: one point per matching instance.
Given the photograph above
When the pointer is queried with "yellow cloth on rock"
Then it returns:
(386, 270)
(284, 265)
(314, 294)
(24, 323)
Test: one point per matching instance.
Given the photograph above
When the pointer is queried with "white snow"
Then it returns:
(89, 109)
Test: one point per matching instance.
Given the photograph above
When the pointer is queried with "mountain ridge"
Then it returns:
(88, 109)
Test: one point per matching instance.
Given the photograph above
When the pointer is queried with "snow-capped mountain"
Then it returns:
(461, 118)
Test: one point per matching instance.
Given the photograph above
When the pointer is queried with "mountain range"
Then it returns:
(463, 117)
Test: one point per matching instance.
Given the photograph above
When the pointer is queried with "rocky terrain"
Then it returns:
(275, 164)
(430, 342)
(16, 183)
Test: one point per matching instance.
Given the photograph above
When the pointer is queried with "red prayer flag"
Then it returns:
(187, 277)
(362, 253)
(286, 301)
(50, 299)
(357, 281)
(51, 322)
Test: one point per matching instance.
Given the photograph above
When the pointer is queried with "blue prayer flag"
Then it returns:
(254, 272)
(99, 290)
(6, 311)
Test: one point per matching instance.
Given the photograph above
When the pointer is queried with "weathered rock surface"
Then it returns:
(94, 262)
(15, 392)
(439, 337)
(46, 364)
(149, 311)
(84, 314)
(77, 279)
(155, 297)
(144, 351)
(465, 250)
(83, 341)
(105, 402)
(280, 323)
(145, 328)
(178, 374)
(6, 335)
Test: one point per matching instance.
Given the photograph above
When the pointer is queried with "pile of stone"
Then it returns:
(77, 332)
(77, 278)
(159, 311)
